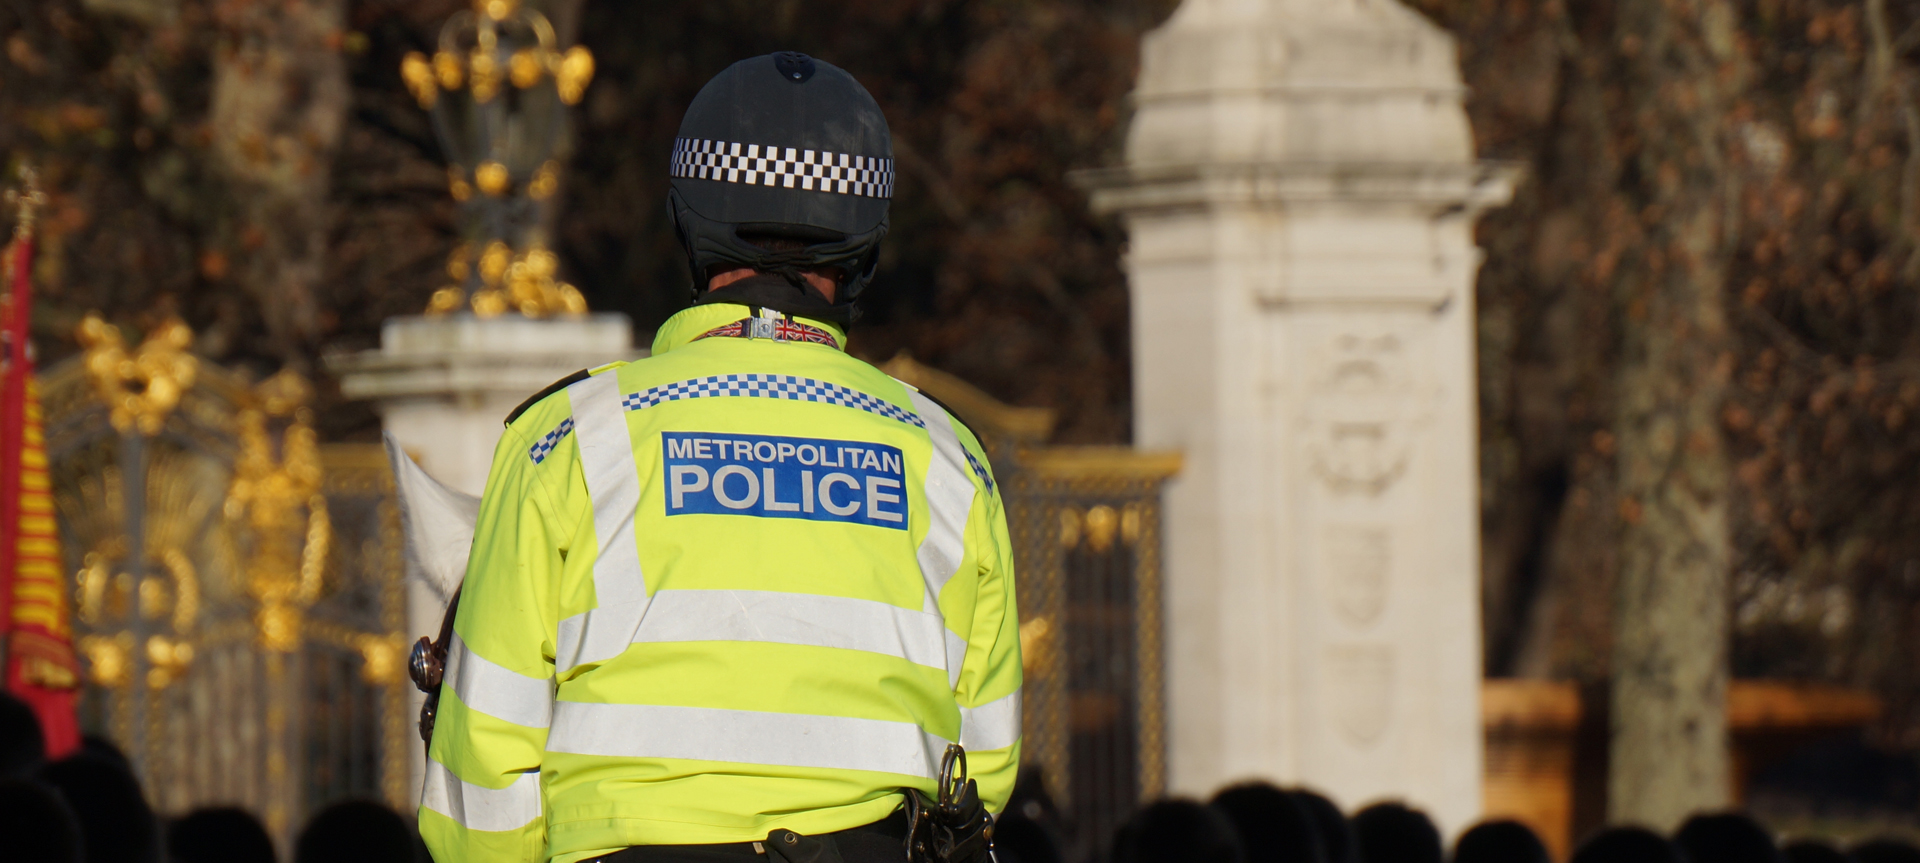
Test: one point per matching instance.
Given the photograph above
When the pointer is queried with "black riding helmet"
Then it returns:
(783, 146)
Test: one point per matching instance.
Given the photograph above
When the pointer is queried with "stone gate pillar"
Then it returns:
(1300, 190)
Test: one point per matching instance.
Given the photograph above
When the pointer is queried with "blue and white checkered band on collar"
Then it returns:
(783, 167)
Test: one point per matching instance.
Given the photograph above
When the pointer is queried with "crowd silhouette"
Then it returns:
(88, 808)
(1260, 823)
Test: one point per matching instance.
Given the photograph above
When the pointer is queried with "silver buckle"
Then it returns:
(763, 327)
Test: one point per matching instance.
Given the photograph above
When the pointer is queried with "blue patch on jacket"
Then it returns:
(784, 477)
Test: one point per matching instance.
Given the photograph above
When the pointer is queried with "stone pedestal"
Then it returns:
(445, 384)
(1300, 191)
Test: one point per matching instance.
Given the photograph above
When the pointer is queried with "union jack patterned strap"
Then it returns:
(774, 326)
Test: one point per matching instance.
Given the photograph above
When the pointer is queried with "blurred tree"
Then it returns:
(1676, 69)
(279, 103)
(259, 168)
(1819, 172)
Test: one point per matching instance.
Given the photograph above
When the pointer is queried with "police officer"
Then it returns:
(735, 600)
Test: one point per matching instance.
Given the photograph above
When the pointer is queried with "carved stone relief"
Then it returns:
(1359, 560)
(1362, 406)
(1360, 678)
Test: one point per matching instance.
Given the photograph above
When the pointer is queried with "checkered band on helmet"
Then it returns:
(783, 167)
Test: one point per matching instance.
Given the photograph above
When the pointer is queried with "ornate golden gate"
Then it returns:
(1086, 535)
(237, 586)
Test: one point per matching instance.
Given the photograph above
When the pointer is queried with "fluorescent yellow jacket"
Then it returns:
(737, 586)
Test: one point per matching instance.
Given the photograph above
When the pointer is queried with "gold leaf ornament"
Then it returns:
(574, 74)
(379, 659)
(449, 70)
(492, 178)
(526, 67)
(484, 71)
(418, 74)
(140, 388)
(277, 506)
(108, 661)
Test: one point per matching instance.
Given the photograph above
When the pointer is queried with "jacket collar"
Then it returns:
(693, 322)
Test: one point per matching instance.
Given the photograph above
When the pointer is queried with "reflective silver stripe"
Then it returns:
(477, 807)
(619, 587)
(796, 618)
(949, 501)
(956, 655)
(492, 689)
(744, 737)
(994, 725)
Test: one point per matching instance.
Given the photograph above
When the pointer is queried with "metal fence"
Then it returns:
(237, 588)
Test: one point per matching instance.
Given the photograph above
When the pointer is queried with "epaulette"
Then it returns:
(552, 388)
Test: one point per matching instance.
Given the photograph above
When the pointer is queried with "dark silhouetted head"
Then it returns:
(1727, 837)
(355, 831)
(219, 836)
(37, 824)
(1500, 842)
(1814, 851)
(1019, 839)
(1886, 850)
(22, 747)
(1031, 800)
(1176, 831)
(116, 826)
(1336, 834)
(1392, 833)
(1628, 845)
(102, 748)
(1273, 826)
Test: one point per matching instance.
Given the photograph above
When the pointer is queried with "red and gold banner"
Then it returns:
(33, 598)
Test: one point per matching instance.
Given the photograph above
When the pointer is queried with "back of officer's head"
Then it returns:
(115, 822)
(1500, 842)
(218, 835)
(1628, 845)
(783, 164)
(1273, 826)
(355, 831)
(1393, 833)
(36, 825)
(1177, 831)
(1726, 837)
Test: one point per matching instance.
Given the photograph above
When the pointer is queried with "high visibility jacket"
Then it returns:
(741, 585)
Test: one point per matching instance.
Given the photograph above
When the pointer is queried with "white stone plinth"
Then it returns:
(444, 386)
(1299, 192)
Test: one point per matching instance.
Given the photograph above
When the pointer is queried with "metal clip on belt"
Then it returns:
(955, 828)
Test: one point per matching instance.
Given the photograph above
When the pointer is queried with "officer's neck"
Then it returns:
(820, 282)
